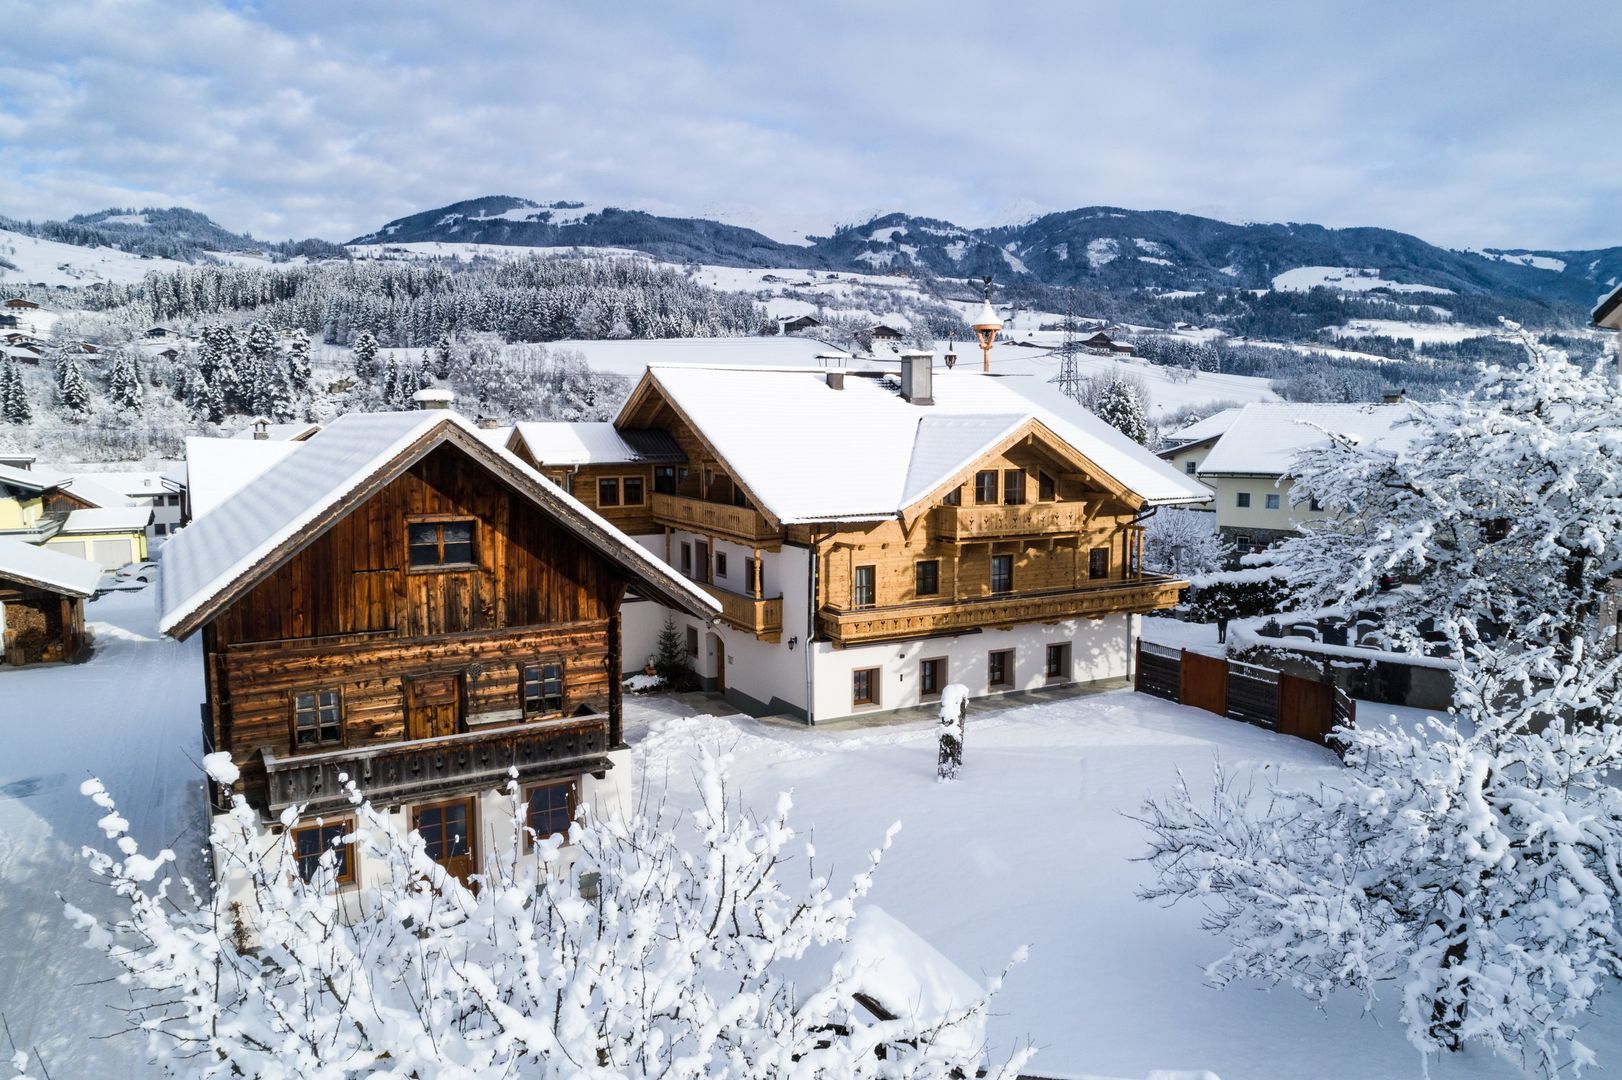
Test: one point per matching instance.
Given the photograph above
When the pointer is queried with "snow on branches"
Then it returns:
(658, 946)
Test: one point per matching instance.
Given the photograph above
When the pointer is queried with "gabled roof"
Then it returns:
(559, 442)
(1608, 312)
(216, 469)
(114, 519)
(1265, 438)
(46, 569)
(296, 431)
(805, 452)
(28, 479)
(222, 554)
(84, 488)
(138, 483)
(1201, 431)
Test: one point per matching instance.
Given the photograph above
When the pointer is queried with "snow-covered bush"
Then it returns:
(954, 712)
(661, 946)
(1183, 542)
(1472, 865)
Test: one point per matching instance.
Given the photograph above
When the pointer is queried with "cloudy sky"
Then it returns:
(1467, 124)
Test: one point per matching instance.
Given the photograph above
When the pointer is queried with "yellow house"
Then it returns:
(72, 516)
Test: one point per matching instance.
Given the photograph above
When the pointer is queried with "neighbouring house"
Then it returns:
(1248, 467)
(72, 515)
(218, 468)
(42, 595)
(7, 319)
(158, 332)
(18, 303)
(872, 540)
(161, 491)
(1187, 448)
(1608, 313)
(800, 322)
(1103, 343)
(17, 461)
(398, 602)
(882, 332)
(263, 429)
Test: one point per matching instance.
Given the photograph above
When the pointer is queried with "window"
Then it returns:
(664, 479)
(864, 590)
(985, 486)
(1002, 573)
(931, 676)
(1098, 563)
(1000, 668)
(317, 719)
(1315, 506)
(551, 810)
(608, 492)
(692, 641)
(720, 564)
(1058, 661)
(749, 572)
(1242, 500)
(310, 842)
(171, 500)
(927, 577)
(864, 686)
(1190, 466)
(953, 497)
(159, 529)
(1047, 489)
(543, 689)
(633, 491)
(687, 558)
(1013, 486)
(1270, 502)
(440, 543)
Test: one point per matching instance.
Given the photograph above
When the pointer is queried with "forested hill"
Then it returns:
(162, 233)
(1093, 247)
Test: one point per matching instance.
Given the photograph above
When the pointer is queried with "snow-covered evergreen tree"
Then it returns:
(1473, 864)
(692, 954)
(14, 407)
(298, 362)
(72, 393)
(365, 353)
(1121, 407)
(124, 383)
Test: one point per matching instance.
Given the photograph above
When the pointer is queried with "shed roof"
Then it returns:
(43, 568)
(114, 519)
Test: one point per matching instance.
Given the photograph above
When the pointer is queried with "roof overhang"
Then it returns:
(1609, 311)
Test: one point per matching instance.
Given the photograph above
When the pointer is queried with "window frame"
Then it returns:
(686, 558)
(470, 841)
(935, 577)
(942, 671)
(320, 744)
(996, 559)
(871, 572)
(348, 875)
(605, 484)
(1047, 487)
(1007, 681)
(720, 558)
(953, 497)
(440, 521)
(1065, 668)
(1241, 500)
(987, 482)
(540, 665)
(1094, 572)
(1271, 501)
(692, 641)
(571, 805)
(874, 681)
(1013, 487)
(1190, 467)
(664, 472)
(641, 483)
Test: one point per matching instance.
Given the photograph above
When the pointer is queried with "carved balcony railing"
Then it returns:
(387, 772)
(1152, 592)
(762, 618)
(717, 519)
(993, 522)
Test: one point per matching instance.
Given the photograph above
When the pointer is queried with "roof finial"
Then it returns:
(985, 327)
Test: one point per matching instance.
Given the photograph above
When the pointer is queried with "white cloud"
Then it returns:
(1464, 124)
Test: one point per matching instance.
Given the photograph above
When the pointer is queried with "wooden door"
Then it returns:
(433, 706)
(447, 831)
(720, 664)
(703, 566)
(1204, 682)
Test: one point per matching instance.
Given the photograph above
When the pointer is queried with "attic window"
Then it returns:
(440, 543)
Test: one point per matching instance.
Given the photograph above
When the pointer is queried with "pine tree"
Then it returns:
(670, 655)
(124, 385)
(442, 357)
(1118, 406)
(73, 394)
(298, 362)
(14, 407)
(365, 350)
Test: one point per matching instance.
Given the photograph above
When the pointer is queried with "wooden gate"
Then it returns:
(1306, 709)
(1204, 682)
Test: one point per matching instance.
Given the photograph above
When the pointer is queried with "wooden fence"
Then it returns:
(1276, 700)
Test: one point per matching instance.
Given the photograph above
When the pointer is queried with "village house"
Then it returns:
(1248, 466)
(1103, 343)
(873, 539)
(42, 595)
(17, 303)
(162, 492)
(72, 515)
(1608, 313)
(1187, 448)
(793, 325)
(885, 332)
(397, 601)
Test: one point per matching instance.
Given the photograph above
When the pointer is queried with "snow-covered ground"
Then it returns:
(49, 262)
(1345, 279)
(1417, 332)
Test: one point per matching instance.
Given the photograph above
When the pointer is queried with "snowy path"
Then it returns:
(1032, 846)
(128, 716)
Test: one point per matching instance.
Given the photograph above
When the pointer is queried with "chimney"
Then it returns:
(918, 377)
(836, 380)
(433, 398)
(1395, 399)
(261, 430)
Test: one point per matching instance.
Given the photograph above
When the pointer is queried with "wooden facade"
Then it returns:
(40, 625)
(439, 663)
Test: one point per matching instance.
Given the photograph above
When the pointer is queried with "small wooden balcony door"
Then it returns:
(433, 706)
(447, 832)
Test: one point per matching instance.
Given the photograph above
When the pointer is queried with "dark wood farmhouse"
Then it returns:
(403, 603)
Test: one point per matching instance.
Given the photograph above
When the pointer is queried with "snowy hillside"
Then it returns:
(29, 260)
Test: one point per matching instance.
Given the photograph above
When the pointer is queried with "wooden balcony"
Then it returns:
(390, 772)
(762, 618)
(738, 523)
(1152, 592)
(996, 521)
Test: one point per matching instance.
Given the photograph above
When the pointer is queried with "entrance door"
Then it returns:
(447, 832)
(703, 567)
(720, 663)
(433, 706)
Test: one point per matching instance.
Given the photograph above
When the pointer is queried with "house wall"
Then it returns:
(1196, 455)
(119, 549)
(18, 513)
(1232, 517)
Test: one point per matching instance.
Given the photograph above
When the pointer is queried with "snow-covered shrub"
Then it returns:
(954, 712)
(675, 963)
(1184, 542)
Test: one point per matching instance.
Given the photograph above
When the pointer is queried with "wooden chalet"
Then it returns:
(800, 322)
(42, 595)
(399, 601)
(883, 332)
(17, 303)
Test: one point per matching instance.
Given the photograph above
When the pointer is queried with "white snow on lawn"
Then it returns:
(1032, 846)
(1417, 332)
(128, 716)
(1344, 278)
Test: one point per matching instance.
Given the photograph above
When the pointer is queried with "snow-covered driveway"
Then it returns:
(130, 717)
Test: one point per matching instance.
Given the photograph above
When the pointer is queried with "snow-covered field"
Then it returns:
(48, 262)
(1417, 332)
(1031, 846)
(1345, 279)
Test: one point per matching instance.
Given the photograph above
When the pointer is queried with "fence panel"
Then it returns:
(1253, 695)
(1159, 671)
(1306, 709)
(1204, 682)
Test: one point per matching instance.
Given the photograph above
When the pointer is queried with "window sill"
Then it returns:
(445, 568)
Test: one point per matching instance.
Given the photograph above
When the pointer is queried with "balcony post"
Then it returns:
(756, 583)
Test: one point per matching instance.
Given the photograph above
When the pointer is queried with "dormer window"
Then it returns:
(438, 544)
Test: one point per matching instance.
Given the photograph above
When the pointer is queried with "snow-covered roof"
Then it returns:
(1201, 430)
(216, 469)
(290, 432)
(112, 519)
(28, 479)
(47, 569)
(1265, 437)
(1608, 312)
(95, 491)
(811, 453)
(296, 500)
(137, 484)
(594, 443)
(909, 978)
